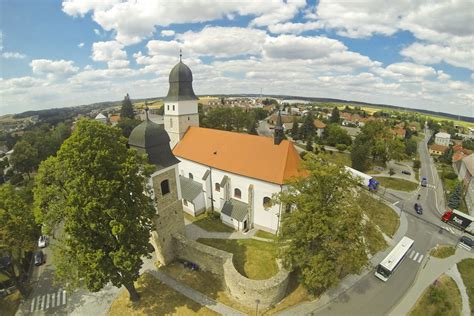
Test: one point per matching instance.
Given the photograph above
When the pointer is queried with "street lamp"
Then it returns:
(257, 301)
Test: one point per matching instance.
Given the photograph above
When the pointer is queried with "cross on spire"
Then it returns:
(180, 54)
(146, 110)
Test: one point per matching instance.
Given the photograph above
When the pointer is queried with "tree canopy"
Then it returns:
(18, 230)
(323, 233)
(334, 134)
(378, 142)
(335, 116)
(127, 108)
(94, 192)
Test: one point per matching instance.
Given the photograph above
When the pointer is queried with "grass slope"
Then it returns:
(466, 268)
(254, 259)
(443, 299)
(397, 184)
(156, 299)
(380, 214)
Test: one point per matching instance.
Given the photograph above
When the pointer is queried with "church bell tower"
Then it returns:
(181, 108)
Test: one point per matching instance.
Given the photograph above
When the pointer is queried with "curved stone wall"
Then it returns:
(244, 290)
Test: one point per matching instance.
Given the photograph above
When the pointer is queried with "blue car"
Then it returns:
(424, 182)
(418, 209)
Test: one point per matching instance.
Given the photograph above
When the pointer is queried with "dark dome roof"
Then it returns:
(181, 84)
(151, 138)
(181, 73)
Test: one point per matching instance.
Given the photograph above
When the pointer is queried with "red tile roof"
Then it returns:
(247, 155)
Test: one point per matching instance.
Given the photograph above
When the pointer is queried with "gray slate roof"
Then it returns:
(224, 181)
(152, 139)
(190, 189)
(235, 209)
(181, 84)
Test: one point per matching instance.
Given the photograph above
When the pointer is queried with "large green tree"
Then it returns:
(18, 231)
(454, 200)
(307, 129)
(94, 190)
(334, 134)
(335, 115)
(127, 108)
(24, 158)
(323, 234)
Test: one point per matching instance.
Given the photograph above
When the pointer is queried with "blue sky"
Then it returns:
(406, 53)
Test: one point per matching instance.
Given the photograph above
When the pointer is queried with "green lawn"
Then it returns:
(156, 298)
(341, 159)
(254, 259)
(397, 184)
(442, 251)
(442, 299)
(380, 214)
(374, 239)
(466, 268)
(209, 222)
(264, 234)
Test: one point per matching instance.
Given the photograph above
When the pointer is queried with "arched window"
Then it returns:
(191, 176)
(165, 187)
(267, 202)
(237, 193)
(168, 107)
(173, 107)
(217, 187)
(171, 122)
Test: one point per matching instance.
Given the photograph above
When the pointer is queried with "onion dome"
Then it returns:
(152, 139)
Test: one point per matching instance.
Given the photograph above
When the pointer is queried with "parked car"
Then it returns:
(418, 209)
(424, 181)
(39, 258)
(42, 241)
(406, 172)
(467, 241)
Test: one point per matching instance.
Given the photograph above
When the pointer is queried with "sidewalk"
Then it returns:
(349, 281)
(432, 269)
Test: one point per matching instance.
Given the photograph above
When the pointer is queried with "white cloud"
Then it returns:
(294, 28)
(444, 26)
(299, 47)
(134, 20)
(53, 69)
(97, 32)
(13, 55)
(81, 7)
(111, 52)
(166, 33)
(411, 70)
(231, 41)
(434, 54)
(80, 45)
(163, 48)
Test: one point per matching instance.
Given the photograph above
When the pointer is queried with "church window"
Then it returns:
(165, 187)
(173, 107)
(237, 193)
(267, 202)
(191, 176)
(217, 187)
(168, 107)
(188, 118)
(171, 122)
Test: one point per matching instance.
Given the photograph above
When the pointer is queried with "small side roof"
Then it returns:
(235, 209)
(190, 189)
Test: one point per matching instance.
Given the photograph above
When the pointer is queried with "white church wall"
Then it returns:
(263, 218)
(188, 207)
(181, 107)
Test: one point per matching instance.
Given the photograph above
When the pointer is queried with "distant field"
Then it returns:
(155, 104)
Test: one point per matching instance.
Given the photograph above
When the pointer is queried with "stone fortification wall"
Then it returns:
(269, 292)
(244, 290)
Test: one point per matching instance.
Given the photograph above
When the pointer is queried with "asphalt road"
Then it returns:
(371, 296)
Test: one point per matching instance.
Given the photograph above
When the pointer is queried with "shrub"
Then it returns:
(417, 164)
(341, 147)
(450, 175)
(16, 179)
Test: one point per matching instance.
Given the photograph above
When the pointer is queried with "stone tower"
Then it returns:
(278, 135)
(181, 108)
(152, 139)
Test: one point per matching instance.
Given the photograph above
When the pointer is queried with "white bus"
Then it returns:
(385, 269)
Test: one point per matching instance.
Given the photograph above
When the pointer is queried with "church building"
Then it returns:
(231, 173)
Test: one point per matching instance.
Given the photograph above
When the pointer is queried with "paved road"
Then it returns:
(263, 128)
(370, 296)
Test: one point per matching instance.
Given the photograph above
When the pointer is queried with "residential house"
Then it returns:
(438, 150)
(442, 139)
(320, 126)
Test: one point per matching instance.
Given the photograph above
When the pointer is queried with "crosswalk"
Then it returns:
(47, 301)
(416, 256)
(449, 229)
